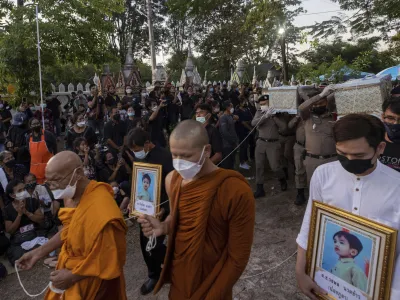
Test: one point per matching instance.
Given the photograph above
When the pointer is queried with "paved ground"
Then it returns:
(277, 225)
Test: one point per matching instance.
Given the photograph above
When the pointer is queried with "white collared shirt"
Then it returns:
(375, 196)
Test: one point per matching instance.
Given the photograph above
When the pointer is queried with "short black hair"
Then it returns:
(30, 175)
(138, 137)
(262, 98)
(226, 104)
(355, 126)
(77, 142)
(393, 104)
(205, 106)
(146, 176)
(354, 242)
(11, 185)
(92, 85)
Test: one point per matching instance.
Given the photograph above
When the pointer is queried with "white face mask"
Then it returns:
(140, 154)
(188, 169)
(129, 91)
(21, 195)
(81, 124)
(232, 110)
(202, 120)
(154, 108)
(68, 192)
(131, 114)
(264, 107)
(116, 190)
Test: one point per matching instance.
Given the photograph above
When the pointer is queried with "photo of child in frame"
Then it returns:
(144, 193)
(347, 255)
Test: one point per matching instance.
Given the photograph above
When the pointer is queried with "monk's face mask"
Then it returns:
(69, 191)
(188, 169)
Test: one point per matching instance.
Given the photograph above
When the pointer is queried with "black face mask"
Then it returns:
(31, 186)
(355, 166)
(10, 164)
(393, 132)
(111, 161)
(36, 129)
(318, 110)
(117, 117)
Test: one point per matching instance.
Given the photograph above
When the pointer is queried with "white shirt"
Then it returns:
(375, 196)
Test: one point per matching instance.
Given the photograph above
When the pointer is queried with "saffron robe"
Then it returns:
(210, 237)
(94, 246)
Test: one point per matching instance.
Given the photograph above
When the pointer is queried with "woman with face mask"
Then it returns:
(127, 100)
(113, 168)
(22, 216)
(42, 145)
(9, 171)
(80, 128)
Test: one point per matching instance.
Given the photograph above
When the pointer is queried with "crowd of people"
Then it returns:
(108, 134)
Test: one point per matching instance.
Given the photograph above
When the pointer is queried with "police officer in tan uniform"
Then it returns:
(287, 138)
(267, 145)
(300, 175)
(318, 123)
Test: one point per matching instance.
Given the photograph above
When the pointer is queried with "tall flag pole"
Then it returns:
(40, 65)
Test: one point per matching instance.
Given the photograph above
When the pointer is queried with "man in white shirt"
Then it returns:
(359, 183)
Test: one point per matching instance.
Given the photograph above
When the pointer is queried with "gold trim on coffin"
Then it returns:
(389, 249)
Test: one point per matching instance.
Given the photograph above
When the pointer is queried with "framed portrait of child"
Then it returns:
(349, 256)
(146, 189)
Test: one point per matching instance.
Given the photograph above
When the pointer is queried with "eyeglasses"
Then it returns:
(55, 183)
(391, 119)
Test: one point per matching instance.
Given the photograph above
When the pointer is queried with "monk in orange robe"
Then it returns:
(210, 228)
(92, 240)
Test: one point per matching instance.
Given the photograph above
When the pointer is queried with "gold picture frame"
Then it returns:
(329, 266)
(146, 189)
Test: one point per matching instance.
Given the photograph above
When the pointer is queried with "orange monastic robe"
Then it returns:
(94, 246)
(211, 236)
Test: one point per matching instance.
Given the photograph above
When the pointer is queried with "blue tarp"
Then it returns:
(394, 71)
(349, 74)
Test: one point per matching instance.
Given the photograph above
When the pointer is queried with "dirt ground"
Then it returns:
(277, 223)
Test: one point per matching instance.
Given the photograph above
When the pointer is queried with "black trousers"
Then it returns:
(4, 243)
(228, 161)
(243, 156)
(155, 258)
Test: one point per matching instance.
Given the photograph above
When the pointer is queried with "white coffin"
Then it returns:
(362, 95)
(283, 99)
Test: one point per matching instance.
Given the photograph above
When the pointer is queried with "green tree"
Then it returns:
(71, 31)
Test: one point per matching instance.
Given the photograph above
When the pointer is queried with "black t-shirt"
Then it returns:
(88, 134)
(111, 100)
(391, 156)
(53, 105)
(215, 139)
(95, 113)
(11, 214)
(105, 173)
(156, 130)
(6, 114)
(115, 132)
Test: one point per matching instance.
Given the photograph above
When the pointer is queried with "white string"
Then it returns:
(278, 265)
(26, 292)
(151, 244)
(234, 150)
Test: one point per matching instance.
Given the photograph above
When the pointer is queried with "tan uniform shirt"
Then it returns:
(298, 124)
(268, 128)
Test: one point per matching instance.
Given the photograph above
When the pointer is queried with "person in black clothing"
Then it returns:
(204, 116)
(16, 139)
(5, 116)
(96, 110)
(112, 99)
(229, 137)
(217, 95)
(115, 131)
(145, 151)
(22, 215)
(156, 121)
(133, 120)
(188, 102)
(243, 127)
(234, 94)
(172, 108)
(391, 120)
(4, 241)
(55, 106)
(80, 129)
(113, 168)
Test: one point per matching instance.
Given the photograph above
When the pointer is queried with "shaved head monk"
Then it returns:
(211, 224)
(92, 240)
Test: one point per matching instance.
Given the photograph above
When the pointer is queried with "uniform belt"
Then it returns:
(301, 144)
(286, 135)
(320, 156)
(268, 141)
